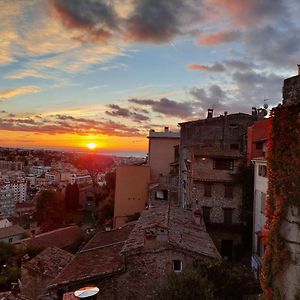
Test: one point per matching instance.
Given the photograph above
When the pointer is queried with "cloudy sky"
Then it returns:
(107, 71)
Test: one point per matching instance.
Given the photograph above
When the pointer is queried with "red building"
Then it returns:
(257, 138)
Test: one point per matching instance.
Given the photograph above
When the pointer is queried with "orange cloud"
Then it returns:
(214, 68)
(219, 38)
(19, 91)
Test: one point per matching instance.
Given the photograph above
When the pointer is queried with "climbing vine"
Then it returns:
(283, 190)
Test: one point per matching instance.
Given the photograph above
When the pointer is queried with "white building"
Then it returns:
(5, 223)
(52, 177)
(80, 179)
(31, 179)
(259, 218)
(11, 165)
(101, 179)
(39, 170)
(7, 202)
(17, 187)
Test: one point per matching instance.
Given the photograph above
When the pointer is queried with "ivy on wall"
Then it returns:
(283, 190)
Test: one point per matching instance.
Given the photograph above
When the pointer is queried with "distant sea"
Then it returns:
(100, 152)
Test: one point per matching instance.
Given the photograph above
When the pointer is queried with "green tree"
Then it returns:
(217, 279)
(50, 209)
(186, 286)
(71, 199)
(6, 251)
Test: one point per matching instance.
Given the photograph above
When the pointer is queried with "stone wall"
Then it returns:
(289, 279)
(144, 273)
(221, 131)
(217, 201)
(147, 271)
(291, 90)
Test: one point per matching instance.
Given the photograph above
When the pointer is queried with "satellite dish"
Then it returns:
(87, 291)
(266, 105)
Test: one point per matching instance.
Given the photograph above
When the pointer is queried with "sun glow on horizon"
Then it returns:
(91, 146)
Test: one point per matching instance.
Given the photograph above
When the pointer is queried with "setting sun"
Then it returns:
(91, 146)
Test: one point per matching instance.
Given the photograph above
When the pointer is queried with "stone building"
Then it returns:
(133, 261)
(37, 273)
(212, 153)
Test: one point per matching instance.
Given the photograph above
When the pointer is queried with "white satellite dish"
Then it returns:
(87, 291)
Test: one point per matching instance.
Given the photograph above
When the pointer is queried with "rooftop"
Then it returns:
(164, 134)
(60, 238)
(99, 257)
(11, 231)
(235, 116)
(49, 262)
(183, 232)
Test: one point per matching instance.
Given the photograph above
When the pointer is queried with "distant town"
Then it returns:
(204, 216)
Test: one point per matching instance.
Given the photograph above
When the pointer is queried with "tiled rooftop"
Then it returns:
(49, 262)
(99, 257)
(60, 238)
(104, 254)
(183, 232)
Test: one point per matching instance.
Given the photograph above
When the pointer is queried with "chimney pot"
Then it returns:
(210, 112)
(254, 111)
(198, 216)
(298, 69)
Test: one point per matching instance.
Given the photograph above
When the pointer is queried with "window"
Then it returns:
(10, 240)
(228, 216)
(161, 195)
(262, 170)
(234, 146)
(223, 164)
(259, 145)
(228, 191)
(177, 265)
(207, 189)
(206, 213)
(262, 203)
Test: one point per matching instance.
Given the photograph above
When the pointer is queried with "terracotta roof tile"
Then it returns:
(99, 257)
(183, 232)
(60, 238)
(49, 262)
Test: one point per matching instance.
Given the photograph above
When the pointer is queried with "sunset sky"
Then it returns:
(75, 72)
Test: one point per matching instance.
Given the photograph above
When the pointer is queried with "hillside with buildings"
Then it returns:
(224, 188)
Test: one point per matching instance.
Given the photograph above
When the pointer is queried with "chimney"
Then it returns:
(166, 129)
(225, 113)
(254, 112)
(210, 112)
(198, 216)
(298, 69)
